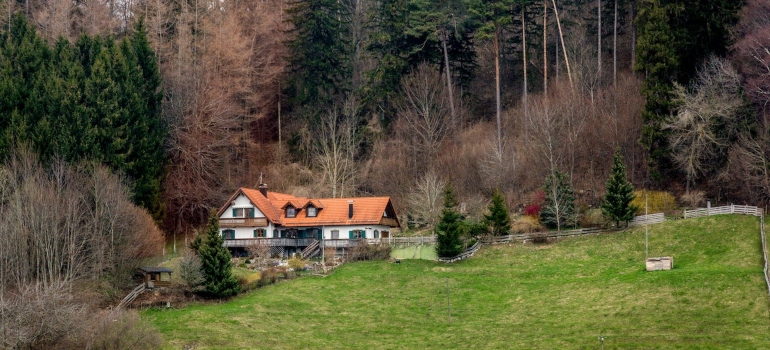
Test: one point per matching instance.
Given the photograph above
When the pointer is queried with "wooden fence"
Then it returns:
(727, 209)
(764, 250)
(647, 219)
(464, 255)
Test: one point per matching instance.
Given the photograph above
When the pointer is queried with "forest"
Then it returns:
(125, 120)
(189, 100)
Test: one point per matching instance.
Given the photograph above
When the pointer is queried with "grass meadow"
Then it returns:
(561, 295)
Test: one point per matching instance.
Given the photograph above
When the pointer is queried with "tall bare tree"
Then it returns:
(424, 109)
(705, 114)
(336, 147)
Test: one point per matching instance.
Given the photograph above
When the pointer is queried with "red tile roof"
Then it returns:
(331, 211)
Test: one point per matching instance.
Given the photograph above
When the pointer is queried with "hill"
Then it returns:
(561, 295)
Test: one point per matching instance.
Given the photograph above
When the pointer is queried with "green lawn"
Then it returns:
(420, 251)
(555, 296)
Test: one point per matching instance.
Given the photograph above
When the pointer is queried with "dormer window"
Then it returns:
(312, 211)
(291, 212)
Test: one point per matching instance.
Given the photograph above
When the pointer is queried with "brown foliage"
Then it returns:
(224, 85)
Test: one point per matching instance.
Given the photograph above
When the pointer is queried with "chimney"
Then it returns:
(350, 209)
(263, 189)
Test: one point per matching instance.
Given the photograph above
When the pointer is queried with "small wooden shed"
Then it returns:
(660, 263)
(155, 276)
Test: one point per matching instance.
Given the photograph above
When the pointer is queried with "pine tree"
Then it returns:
(559, 206)
(215, 262)
(497, 219)
(320, 51)
(617, 202)
(450, 226)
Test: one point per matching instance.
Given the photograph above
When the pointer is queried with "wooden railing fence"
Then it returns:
(131, 296)
(464, 255)
(647, 219)
(727, 209)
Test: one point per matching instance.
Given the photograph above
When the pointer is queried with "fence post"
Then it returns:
(685, 213)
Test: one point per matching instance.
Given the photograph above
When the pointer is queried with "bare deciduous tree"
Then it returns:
(62, 229)
(425, 199)
(700, 130)
(425, 111)
(336, 147)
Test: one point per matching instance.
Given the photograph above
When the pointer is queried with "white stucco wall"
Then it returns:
(345, 230)
(247, 232)
(241, 202)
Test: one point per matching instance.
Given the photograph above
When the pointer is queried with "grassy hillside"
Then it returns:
(561, 295)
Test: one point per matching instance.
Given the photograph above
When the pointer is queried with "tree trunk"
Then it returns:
(448, 76)
(497, 88)
(633, 34)
(615, 49)
(524, 56)
(545, 47)
(561, 38)
(599, 40)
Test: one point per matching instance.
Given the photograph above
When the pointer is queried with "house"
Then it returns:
(297, 225)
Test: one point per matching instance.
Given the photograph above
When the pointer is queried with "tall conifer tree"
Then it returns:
(449, 228)
(215, 262)
(620, 192)
(498, 220)
(320, 52)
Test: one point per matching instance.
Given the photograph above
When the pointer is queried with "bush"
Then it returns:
(540, 237)
(533, 210)
(364, 252)
(657, 202)
(526, 224)
(593, 218)
(694, 199)
(267, 277)
(122, 329)
(297, 263)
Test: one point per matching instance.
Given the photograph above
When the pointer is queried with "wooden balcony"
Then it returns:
(242, 222)
(270, 242)
(343, 243)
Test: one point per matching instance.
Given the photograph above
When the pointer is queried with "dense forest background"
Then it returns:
(188, 100)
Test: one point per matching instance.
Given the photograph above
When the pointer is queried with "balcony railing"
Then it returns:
(242, 222)
(270, 242)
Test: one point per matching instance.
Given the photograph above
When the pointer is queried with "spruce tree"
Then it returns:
(498, 220)
(559, 206)
(319, 51)
(617, 201)
(215, 262)
(450, 226)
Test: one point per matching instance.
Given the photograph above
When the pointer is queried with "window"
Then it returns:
(260, 233)
(355, 234)
(312, 211)
(376, 234)
(291, 212)
(335, 234)
(275, 233)
(228, 234)
(243, 212)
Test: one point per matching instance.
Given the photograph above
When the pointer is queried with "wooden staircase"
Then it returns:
(131, 296)
(312, 250)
